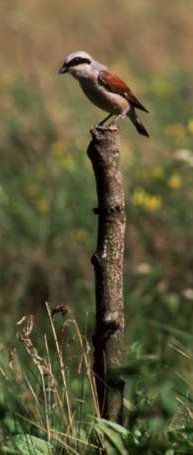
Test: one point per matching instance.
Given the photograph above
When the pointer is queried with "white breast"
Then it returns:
(101, 97)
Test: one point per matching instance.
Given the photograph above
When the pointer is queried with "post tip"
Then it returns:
(102, 129)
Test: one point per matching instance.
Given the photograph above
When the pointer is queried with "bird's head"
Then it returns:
(79, 64)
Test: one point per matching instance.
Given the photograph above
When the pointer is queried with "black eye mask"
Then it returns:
(78, 61)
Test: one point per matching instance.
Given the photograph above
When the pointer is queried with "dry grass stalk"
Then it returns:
(62, 365)
(50, 392)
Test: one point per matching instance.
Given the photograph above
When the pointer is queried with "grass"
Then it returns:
(47, 406)
(44, 410)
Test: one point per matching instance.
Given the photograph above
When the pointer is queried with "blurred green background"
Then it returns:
(47, 188)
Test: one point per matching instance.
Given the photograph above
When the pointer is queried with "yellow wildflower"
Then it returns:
(175, 181)
(138, 196)
(156, 172)
(67, 163)
(149, 201)
(190, 126)
(153, 202)
(42, 205)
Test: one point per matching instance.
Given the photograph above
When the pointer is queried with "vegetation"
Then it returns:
(48, 231)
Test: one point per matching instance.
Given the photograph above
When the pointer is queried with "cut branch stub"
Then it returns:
(103, 152)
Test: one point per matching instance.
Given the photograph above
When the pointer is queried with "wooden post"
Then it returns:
(103, 152)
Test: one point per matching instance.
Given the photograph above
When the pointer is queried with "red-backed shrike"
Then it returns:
(104, 88)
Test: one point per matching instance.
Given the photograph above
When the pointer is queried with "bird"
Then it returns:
(105, 89)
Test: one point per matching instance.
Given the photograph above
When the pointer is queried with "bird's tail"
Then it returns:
(137, 123)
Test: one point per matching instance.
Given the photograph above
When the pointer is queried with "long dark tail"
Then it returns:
(137, 123)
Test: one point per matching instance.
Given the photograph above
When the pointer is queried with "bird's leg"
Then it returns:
(123, 114)
(126, 111)
(104, 120)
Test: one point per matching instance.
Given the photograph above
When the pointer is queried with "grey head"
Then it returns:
(80, 65)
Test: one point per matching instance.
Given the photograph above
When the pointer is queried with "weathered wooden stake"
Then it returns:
(103, 152)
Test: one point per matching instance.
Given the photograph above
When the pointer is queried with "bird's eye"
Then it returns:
(79, 61)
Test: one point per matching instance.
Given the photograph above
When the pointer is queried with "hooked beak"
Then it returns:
(63, 69)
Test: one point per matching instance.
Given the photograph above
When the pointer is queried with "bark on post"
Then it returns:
(103, 152)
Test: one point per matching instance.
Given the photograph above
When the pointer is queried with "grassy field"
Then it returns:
(48, 231)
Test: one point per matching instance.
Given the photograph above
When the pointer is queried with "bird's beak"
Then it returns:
(63, 69)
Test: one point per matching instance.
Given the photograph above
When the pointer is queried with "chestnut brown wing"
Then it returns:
(114, 84)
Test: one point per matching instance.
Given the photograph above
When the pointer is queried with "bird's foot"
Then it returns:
(115, 120)
(109, 126)
(120, 116)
